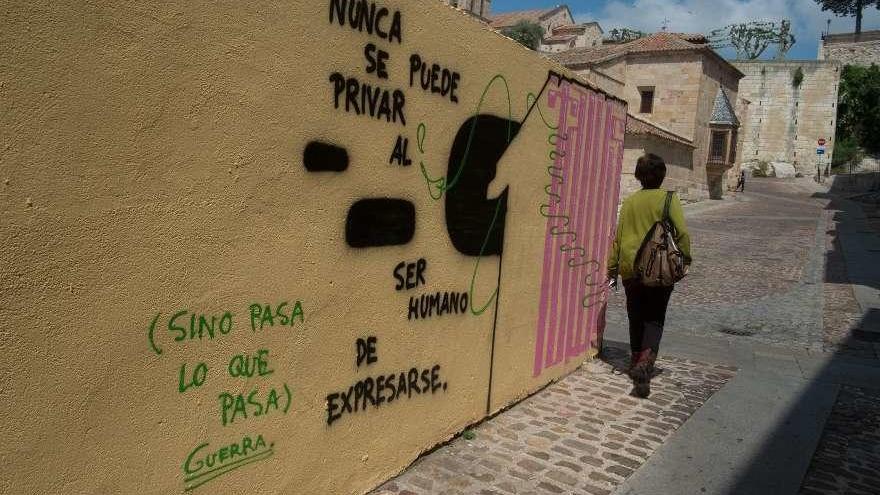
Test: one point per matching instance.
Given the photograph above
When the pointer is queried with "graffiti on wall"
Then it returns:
(383, 388)
(584, 139)
(256, 388)
(585, 157)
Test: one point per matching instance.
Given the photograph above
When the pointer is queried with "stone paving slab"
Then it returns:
(848, 457)
(583, 435)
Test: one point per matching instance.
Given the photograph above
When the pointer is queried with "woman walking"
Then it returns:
(645, 304)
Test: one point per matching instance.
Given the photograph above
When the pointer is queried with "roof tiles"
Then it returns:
(510, 19)
(655, 43)
(723, 112)
(637, 126)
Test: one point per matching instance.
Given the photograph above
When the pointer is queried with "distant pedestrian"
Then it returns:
(645, 305)
(741, 184)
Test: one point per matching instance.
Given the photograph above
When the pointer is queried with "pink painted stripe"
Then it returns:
(553, 98)
(598, 164)
(611, 175)
(585, 203)
(553, 329)
(582, 162)
(573, 192)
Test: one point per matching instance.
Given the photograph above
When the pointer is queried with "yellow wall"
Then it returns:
(154, 162)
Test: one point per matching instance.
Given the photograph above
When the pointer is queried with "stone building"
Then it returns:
(793, 105)
(850, 48)
(678, 84)
(561, 33)
(644, 137)
(563, 38)
(479, 8)
(547, 18)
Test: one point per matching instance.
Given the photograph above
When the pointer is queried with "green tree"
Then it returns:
(751, 39)
(622, 35)
(858, 109)
(849, 8)
(528, 33)
(847, 153)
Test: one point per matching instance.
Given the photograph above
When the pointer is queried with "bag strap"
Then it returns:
(666, 206)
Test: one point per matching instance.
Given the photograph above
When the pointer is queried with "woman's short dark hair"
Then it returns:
(650, 171)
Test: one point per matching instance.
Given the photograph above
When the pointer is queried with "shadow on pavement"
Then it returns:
(836, 470)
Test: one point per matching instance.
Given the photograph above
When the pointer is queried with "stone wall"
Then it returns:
(847, 49)
(676, 80)
(591, 37)
(602, 81)
(785, 121)
(679, 166)
(717, 75)
(283, 248)
(743, 109)
(560, 18)
(685, 87)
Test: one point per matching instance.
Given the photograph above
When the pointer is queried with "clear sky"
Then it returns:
(702, 16)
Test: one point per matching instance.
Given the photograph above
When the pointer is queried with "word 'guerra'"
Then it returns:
(201, 458)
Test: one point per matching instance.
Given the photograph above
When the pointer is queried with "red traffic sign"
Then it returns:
(821, 141)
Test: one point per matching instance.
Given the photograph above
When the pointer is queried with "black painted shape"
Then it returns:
(469, 213)
(324, 157)
(380, 222)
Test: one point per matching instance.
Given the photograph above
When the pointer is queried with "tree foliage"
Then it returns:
(847, 152)
(797, 77)
(858, 110)
(622, 35)
(527, 33)
(849, 8)
(751, 39)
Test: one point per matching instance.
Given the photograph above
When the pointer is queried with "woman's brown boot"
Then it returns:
(641, 376)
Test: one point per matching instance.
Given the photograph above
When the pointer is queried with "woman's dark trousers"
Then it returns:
(646, 309)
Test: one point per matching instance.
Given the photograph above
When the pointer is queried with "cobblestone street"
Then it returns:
(584, 434)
